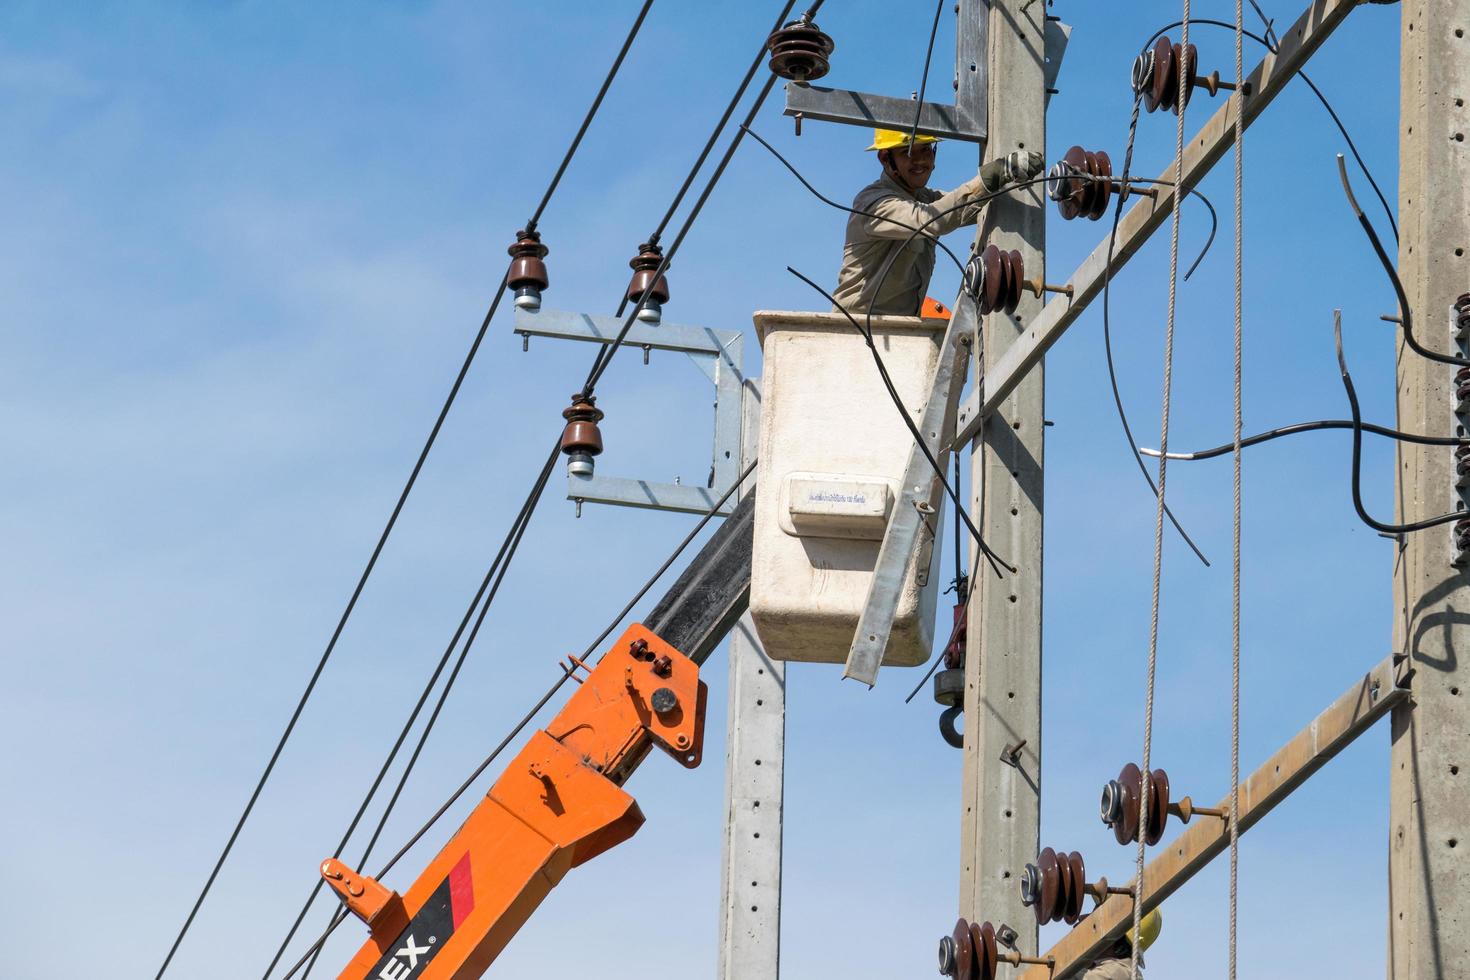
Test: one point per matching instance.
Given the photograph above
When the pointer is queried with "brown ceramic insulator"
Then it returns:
(1015, 278)
(1066, 184)
(987, 956)
(1462, 459)
(1462, 384)
(1051, 886)
(800, 51)
(644, 265)
(1462, 311)
(581, 434)
(1162, 77)
(1158, 806)
(1131, 781)
(964, 952)
(1100, 166)
(991, 294)
(1078, 890)
(526, 267)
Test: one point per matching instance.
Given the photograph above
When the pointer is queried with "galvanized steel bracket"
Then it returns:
(718, 355)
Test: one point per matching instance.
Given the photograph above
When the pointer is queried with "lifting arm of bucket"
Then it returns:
(559, 804)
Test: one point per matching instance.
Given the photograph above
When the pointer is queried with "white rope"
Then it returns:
(1153, 630)
(1239, 97)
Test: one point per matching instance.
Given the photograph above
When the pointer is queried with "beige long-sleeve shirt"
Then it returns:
(871, 240)
(1111, 969)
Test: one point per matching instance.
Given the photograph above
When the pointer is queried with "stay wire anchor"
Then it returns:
(1156, 76)
(972, 951)
(527, 276)
(1121, 799)
(1082, 183)
(1055, 885)
(997, 279)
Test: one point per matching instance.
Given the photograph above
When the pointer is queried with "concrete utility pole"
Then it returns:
(1429, 829)
(1002, 752)
(755, 754)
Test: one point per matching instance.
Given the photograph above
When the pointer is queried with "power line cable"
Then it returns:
(1299, 427)
(924, 78)
(1406, 321)
(526, 719)
(1352, 395)
(489, 585)
(1158, 576)
(1108, 329)
(604, 355)
(996, 562)
(393, 516)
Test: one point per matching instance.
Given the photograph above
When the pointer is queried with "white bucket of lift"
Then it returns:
(832, 452)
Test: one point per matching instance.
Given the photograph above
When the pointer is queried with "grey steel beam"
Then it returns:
(879, 111)
(1353, 713)
(1298, 43)
(965, 120)
(918, 501)
(719, 356)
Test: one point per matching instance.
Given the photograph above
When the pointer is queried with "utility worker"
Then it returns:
(900, 202)
(1117, 962)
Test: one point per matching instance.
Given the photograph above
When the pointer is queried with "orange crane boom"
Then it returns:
(557, 805)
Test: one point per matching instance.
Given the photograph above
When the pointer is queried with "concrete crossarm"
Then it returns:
(1353, 713)
(1209, 145)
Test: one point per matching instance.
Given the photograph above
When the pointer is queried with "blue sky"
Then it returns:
(246, 246)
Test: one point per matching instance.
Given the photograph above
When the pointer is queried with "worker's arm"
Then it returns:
(898, 217)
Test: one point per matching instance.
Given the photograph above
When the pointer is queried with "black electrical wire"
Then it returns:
(924, 78)
(591, 112)
(709, 145)
(996, 562)
(1108, 274)
(1352, 395)
(1317, 426)
(536, 709)
(1271, 43)
(393, 516)
(604, 355)
(1406, 315)
(482, 599)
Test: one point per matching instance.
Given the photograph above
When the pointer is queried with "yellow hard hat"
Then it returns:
(889, 139)
(1148, 930)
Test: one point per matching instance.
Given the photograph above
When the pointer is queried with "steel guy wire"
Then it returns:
(393, 516)
(996, 562)
(489, 585)
(1239, 96)
(1153, 633)
(526, 719)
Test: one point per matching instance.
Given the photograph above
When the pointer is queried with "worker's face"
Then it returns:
(914, 164)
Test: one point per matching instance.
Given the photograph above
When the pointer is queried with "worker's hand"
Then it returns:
(1023, 164)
